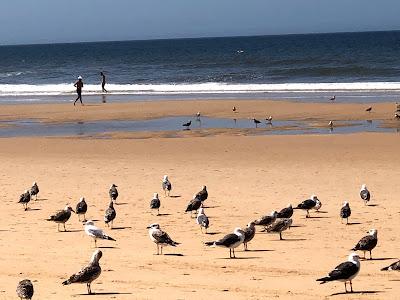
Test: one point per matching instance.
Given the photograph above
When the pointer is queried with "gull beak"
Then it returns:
(73, 211)
(148, 227)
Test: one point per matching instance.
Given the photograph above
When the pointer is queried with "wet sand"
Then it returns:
(247, 176)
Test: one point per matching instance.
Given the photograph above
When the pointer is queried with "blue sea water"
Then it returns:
(353, 66)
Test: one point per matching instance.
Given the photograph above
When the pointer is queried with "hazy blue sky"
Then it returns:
(42, 21)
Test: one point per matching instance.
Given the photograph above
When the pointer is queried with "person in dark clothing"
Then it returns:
(79, 86)
(103, 82)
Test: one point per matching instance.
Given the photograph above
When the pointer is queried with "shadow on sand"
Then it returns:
(173, 254)
(121, 228)
(175, 196)
(356, 292)
(103, 293)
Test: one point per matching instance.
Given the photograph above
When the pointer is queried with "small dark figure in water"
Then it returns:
(79, 86)
(103, 82)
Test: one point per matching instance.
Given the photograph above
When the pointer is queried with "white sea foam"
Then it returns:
(201, 88)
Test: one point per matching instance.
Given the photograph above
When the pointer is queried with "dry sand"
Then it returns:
(247, 176)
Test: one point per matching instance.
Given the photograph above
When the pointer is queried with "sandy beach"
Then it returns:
(247, 177)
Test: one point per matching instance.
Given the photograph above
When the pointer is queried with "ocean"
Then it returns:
(356, 67)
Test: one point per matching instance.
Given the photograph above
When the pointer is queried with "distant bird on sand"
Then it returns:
(367, 243)
(266, 220)
(369, 109)
(269, 120)
(365, 194)
(330, 124)
(345, 212)
(110, 214)
(113, 192)
(160, 238)
(393, 267)
(286, 212)
(202, 220)
(234, 109)
(96, 233)
(231, 241)
(81, 208)
(187, 124)
(333, 98)
(194, 204)
(397, 115)
(203, 194)
(24, 199)
(279, 225)
(318, 204)
(25, 289)
(256, 122)
(249, 233)
(61, 217)
(88, 273)
(345, 272)
(308, 204)
(198, 116)
(155, 203)
(34, 190)
(166, 185)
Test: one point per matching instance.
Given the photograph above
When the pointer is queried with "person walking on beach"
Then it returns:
(79, 86)
(103, 82)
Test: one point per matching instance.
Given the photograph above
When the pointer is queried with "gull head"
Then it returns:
(89, 223)
(154, 226)
(113, 186)
(155, 196)
(364, 187)
(82, 199)
(96, 256)
(165, 179)
(68, 208)
(353, 257)
(274, 213)
(373, 232)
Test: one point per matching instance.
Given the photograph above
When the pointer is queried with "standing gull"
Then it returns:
(230, 241)
(187, 125)
(88, 273)
(280, 225)
(96, 233)
(369, 109)
(24, 199)
(318, 204)
(193, 205)
(269, 120)
(308, 204)
(110, 214)
(198, 116)
(203, 194)
(113, 192)
(345, 212)
(345, 272)
(234, 109)
(34, 190)
(393, 267)
(81, 208)
(365, 194)
(155, 203)
(266, 220)
(333, 98)
(249, 233)
(286, 212)
(25, 289)
(367, 243)
(166, 185)
(160, 238)
(256, 122)
(202, 220)
(61, 217)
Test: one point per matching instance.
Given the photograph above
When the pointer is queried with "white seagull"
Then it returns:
(231, 241)
(96, 232)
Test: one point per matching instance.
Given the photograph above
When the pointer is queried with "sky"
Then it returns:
(55, 21)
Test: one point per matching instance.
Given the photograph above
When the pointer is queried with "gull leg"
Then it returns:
(347, 221)
(65, 229)
(95, 243)
(112, 224)
(370, 254)
(79, 217)
(58, 226)
(233, 251)
(161, 249)
(158, 211)
(345, 286)
(308, 214)
(351, 286)
(280, 236)
(84, 217)
(230, 253)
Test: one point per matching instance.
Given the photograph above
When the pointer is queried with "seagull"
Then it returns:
(96, 232)
(88, 273)
(333, 98)
(256, 122)
(249, 233)
(24, 199)
(110, 214)
(230, 241)
(203, 194)
(198, 116)
(269, 120)
(369, 109)
(279, 226)
(113, 192)
(34, 190)
(202, 220)
(160, 238)
(61, 217)
(367, 243)
(234, 109)
(155, 203)
(187, 125)
(308, 204)
(267, 220)
(397, 115)
(330, 124)
(286, 212)
(393, 267)
(25, 289)
(365, 194)
(81, 208)
(345, 212)
(318, 204)
(345, 272)
(166, 185)
(194, 204)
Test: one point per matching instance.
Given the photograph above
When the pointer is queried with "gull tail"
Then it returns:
(210, 244)
(106, 237)
(385, 268)
(174, 244)
(66, 282)
(324, 280)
